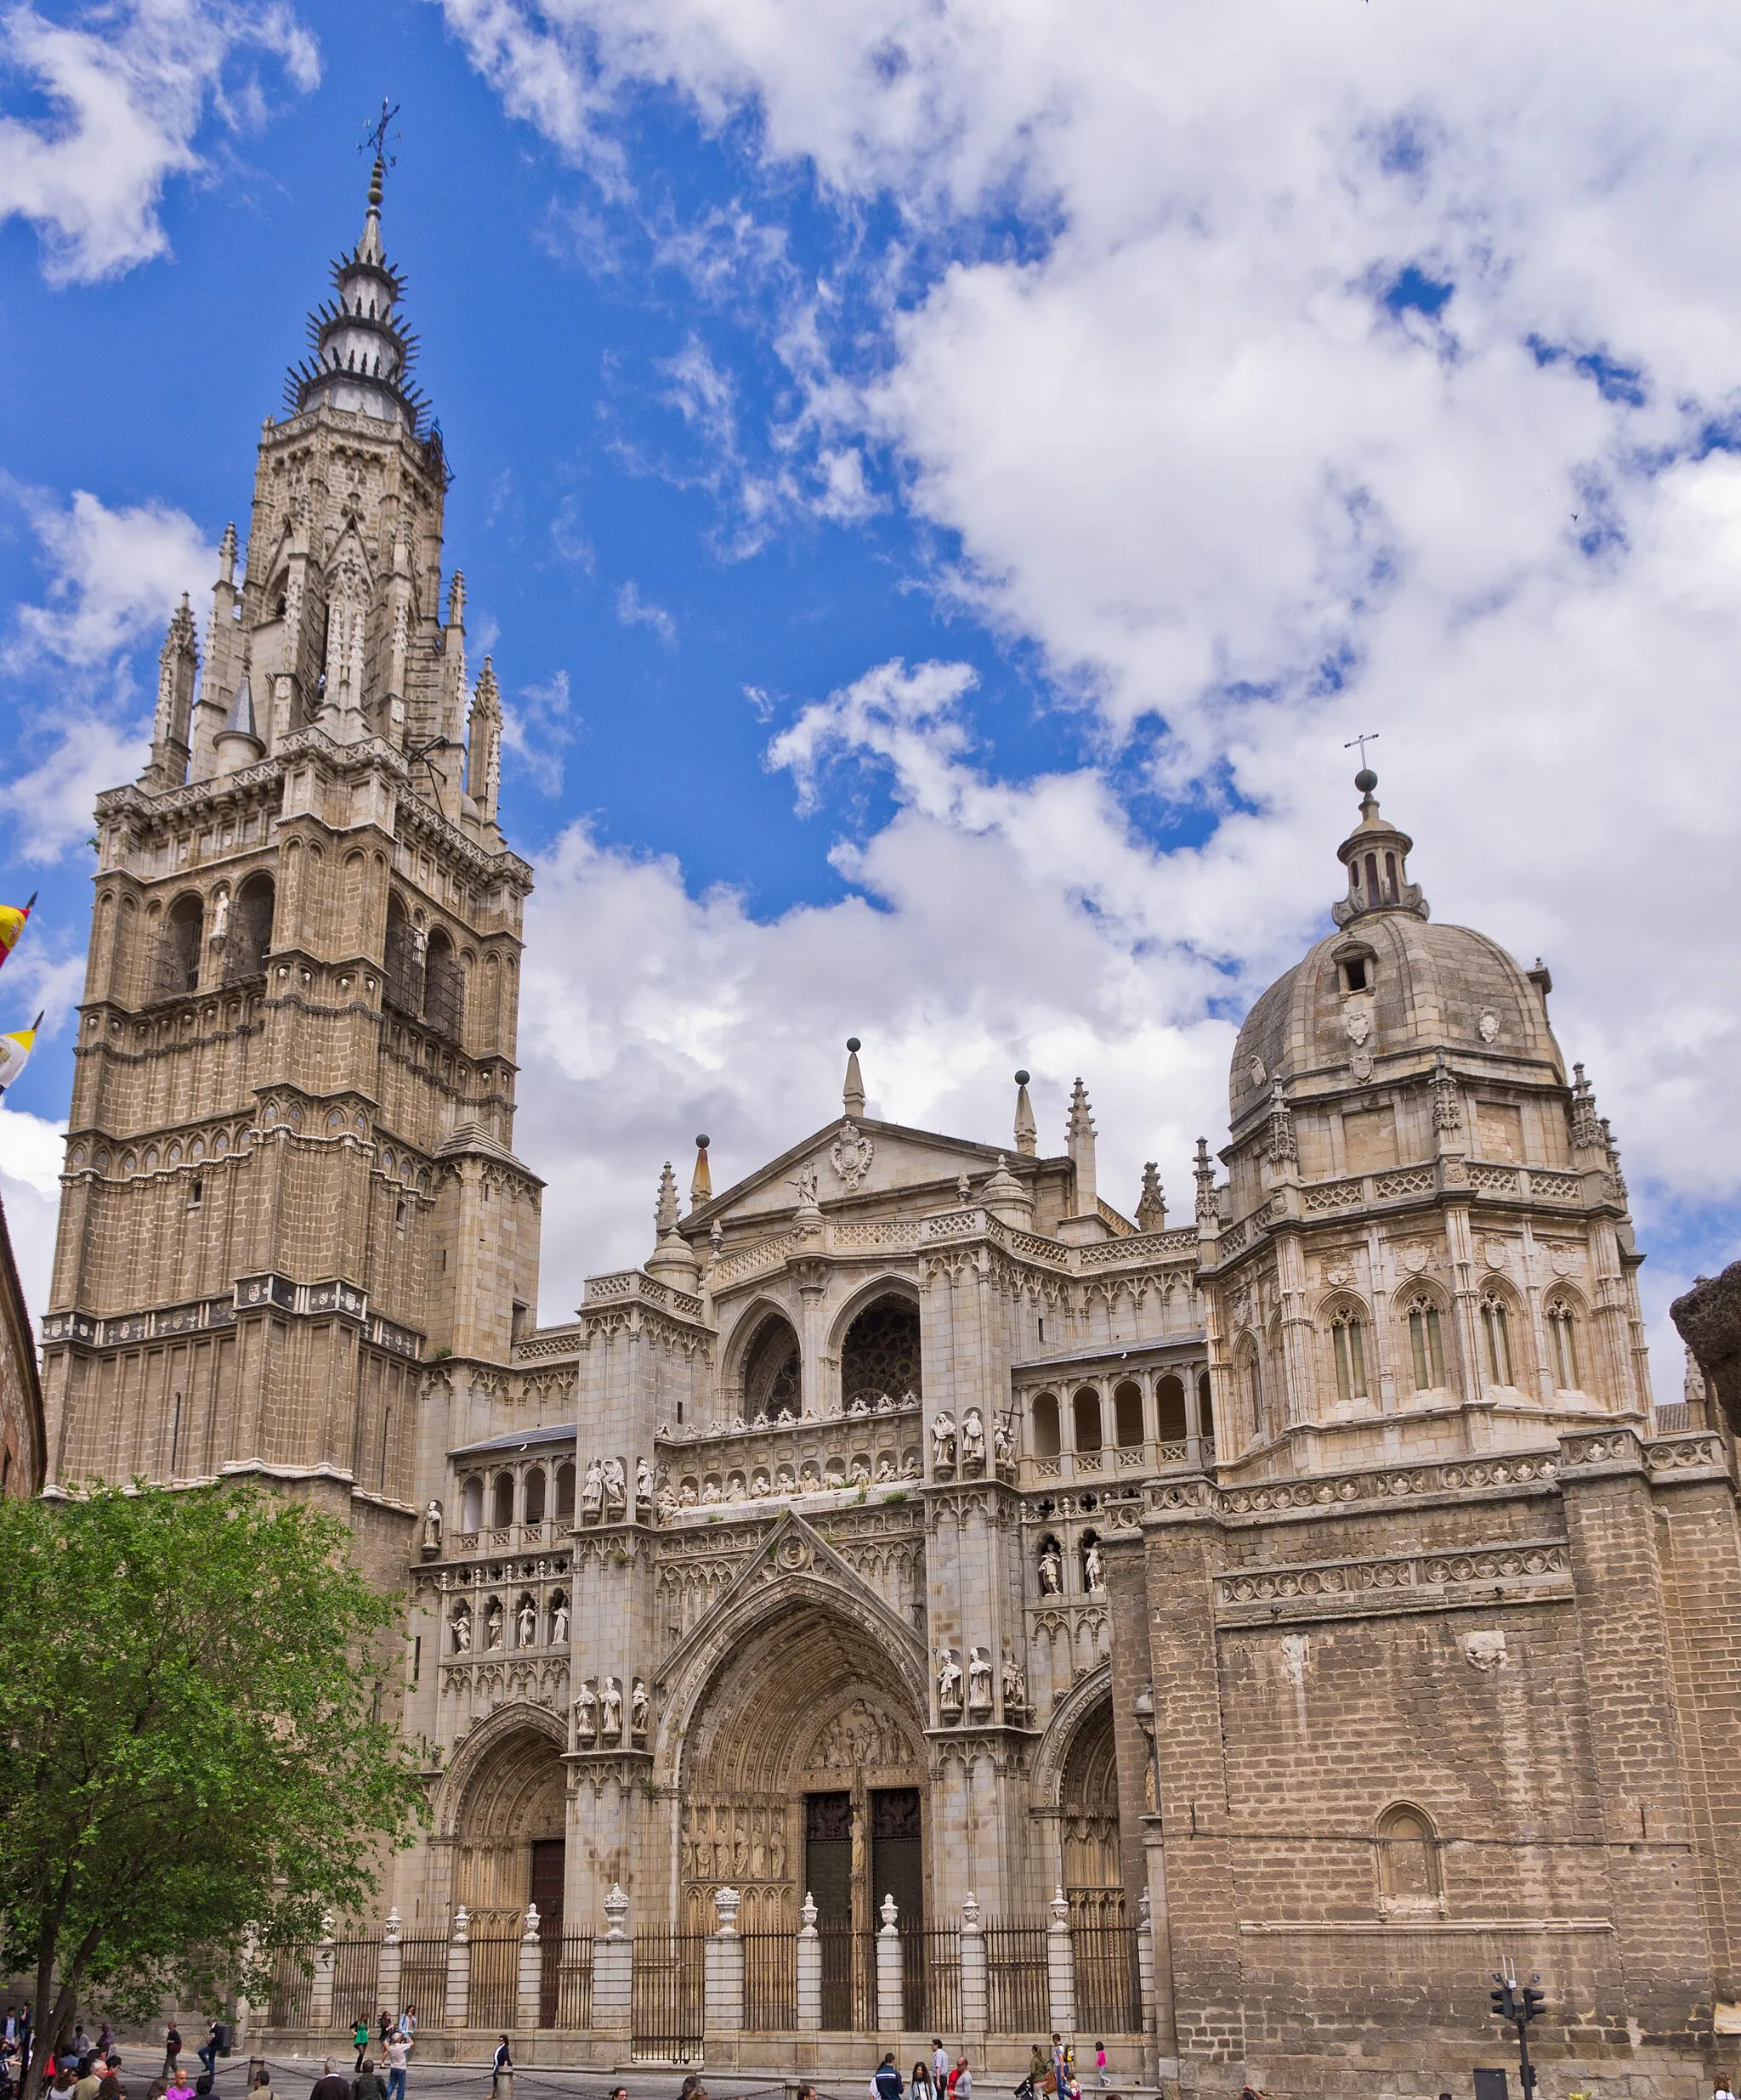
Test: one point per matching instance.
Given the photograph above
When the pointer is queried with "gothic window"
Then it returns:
(401, 961)
(1248, 1377)
(1205, 1405)
(1495, 1336)
(178, 965)
(1408, 1860)
(1127, 1414)
(1426, 1345)
(564, 1493)
(1170, 1424)
(444, 987)
(534, 1497)
(471, 1505)
(880, 1353)
(1084, 1419)
(1347, 1332)
(1044, 1424)
(250, 933)
(502, 1501)
(773, 1381)
(1563, 1333)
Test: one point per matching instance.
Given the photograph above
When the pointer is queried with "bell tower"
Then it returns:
(290, 1178)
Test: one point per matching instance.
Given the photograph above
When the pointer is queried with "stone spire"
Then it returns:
(360, 355)
(178, 668)
(1027, 1131)
(1151, 1204)
(484, 756)
(1079, 1142)
(852, 1094)
(239, 742)
(701, 1180)
(1208, 1209)
(1376, 855)
(673, 1261)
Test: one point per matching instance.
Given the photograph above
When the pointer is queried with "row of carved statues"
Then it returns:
(966, 1446)
(975, 1683)
(1051, 1567)
(598, 1710)
(494, 1623)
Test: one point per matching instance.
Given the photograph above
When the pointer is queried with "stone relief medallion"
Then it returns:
(1259, 1076)
(851, 1154)
(1358, 1023)
(1485, 1650)
(1415, 1256)
(1360, 1064)
(1338, 1274)
(1496, 1253)
(1489, 1026)
(1563, 1258)
(793, 1553)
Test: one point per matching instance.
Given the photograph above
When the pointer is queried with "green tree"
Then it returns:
(192, 1759)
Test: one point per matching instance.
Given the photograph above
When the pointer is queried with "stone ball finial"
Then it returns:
(853, 1043)
(701, 1142)
(1366, 780)
(1021, 1079)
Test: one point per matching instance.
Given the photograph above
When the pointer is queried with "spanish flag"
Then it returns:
(15, 1051)
(12, 921)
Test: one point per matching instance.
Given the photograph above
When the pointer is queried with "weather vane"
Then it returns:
(1371, 737)
(376, 135)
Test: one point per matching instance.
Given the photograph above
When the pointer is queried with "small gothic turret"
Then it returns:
(484, 757)
(1151, 1204)
(1079, 1142)
(1376, 855)
(238, 742)
(178, 668)
(673, 1260)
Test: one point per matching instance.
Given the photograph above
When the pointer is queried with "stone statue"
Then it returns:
(559, 1623)
(643, 1484)
(616, 1483)
(462, 1623)
(220, 918)
(715, 1239)
(861, 1474)
(943, 1441)
(806, 1183)
(1094, 1566)
(429, 1539)
(640, 1706)
(528, 1622)
(610, 1707)
(1003, 1444)
(585, 1713)
(1052, 1571)
(964, 1190)
(979, 1681)
(1015, 1684)
(949, 1682)
(973, 1438)
(492, 1624)
(909, 1466)
(885, 1467)
(593, 1487)
(667, 1503)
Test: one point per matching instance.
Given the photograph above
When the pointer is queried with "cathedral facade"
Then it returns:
(1308, 1588)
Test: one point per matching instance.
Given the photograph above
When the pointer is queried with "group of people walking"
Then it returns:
(1051, 2072)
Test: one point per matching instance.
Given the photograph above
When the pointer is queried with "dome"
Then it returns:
(1388, 991)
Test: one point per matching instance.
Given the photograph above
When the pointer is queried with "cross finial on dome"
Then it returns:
(1375, 854)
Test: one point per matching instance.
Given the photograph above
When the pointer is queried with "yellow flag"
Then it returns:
(12, 919)
(16, 1052)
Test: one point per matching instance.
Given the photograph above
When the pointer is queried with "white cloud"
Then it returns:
(633, 611)
(128, 88)
(536, 726)
(116, 576)
(30, 1152)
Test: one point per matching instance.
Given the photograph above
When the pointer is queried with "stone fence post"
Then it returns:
(320, 1992)
(1061, 1968)
(390, 1974)
(613, 1971)
(889, 2008)
(457, 2005)
(723, 1981)
(809, 1969)
(976, 1978)
(1145, 1960)
(530, 1979)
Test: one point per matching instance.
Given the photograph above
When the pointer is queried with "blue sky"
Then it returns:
(1188, 395)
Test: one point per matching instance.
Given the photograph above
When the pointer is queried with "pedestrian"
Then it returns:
(1720, 2090)
(80, 2046)
(360, 2036)
(1100, 2064)
(208, 2047)
(887, 2085)
(329, 2086)
(961, 2082)
(939, 2064)
(88, 2081)
(261, 2087)
(105, 2041)
(804, 2092)
(399, 2054)
(366, 2085)
(1060, 2068)
(408, 2025)
(1037, 2065)
(919, 2084)
(171, 2051)
(177, 2087)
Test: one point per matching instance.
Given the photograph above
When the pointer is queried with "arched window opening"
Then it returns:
(1085, 1418)
(1563, 1333)
(177, 963)
(879, 1360)
(1496, 1339)
(1408, 1860)
(772, 1377)
(564, 1493)
(534, 1497)
(471, 1505)
(502, 1501)
(1372, 896)
(444, 987)
(1127, 1414)
(1170, 1423)
(1426, 1345)
(1348, 1338)
(250, 934)
(1248, 1388)
(1043, 1424)
(402, 960)
(1390, 878)
(1206, 1407)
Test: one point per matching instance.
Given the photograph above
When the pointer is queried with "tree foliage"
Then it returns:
(192, 1759)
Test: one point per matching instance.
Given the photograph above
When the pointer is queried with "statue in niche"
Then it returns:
(1094, 1566)
(492, 1623)
(1015, 1682)
(943, 1441)
(667, 1503)
(806, 1183)
(528, 1623)
(973, 1438)
(644, 1485)
(640, 1706)
(1052, 1571)
(610, 1707)
(885, 1467)
(687, 1498)
(585, 1713)
(462, 1625)
(1003, 1444)
(979, 1681)
(220, 918)
(593, 1487)
(861, 1474)
(616, 1485)
(949, 1682)
(429, 1537)
(558, 1622)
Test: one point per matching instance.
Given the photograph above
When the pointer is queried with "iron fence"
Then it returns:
(1019, 1995)
(356, 1973)
(291, 1999)
(565, 1987)
(931, 1977)
(492, 1999)
(667, 1987)
(1109, 1981)
(848, 1979)
(770, 1981)
(422, 1979)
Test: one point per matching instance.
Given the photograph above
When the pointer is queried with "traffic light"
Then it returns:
(1534, 2000)
(1502, 1997)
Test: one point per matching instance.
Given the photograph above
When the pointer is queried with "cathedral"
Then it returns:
(920, 1598)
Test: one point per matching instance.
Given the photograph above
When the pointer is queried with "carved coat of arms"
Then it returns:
(851, 1154)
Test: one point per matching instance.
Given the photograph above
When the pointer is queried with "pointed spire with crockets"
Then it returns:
(1079, 1144)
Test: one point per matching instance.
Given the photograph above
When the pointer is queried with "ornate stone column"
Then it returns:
(809, 1969)
(531, 1976)
(976, 1979)
(613, 1958)
(724, 1981)
(1061, 1967)
(457, 2007)
(321, 1993)
(389, 1974)
(889, 1972)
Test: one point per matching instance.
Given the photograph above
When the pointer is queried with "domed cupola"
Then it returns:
(361, 357)
(1377, 856)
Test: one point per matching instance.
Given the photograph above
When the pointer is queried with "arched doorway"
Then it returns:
(1088, 1808)
(509, 1836)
